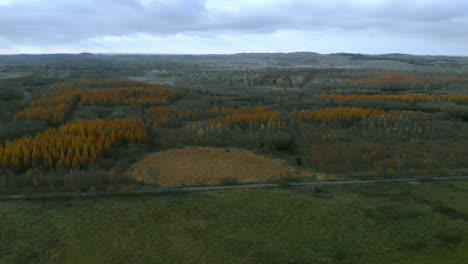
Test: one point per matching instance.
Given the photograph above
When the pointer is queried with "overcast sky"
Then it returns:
(233, 26)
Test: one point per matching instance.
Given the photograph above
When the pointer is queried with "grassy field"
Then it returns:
(11, 75)
(208, 166)
(391, 223)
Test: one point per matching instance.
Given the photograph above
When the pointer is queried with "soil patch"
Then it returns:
(204, 165)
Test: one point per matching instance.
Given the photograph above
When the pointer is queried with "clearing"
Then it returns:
(204, 165)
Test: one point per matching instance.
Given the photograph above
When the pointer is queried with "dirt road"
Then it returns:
(220, 188)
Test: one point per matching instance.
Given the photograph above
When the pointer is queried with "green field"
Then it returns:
(11, 75)
(391, 223)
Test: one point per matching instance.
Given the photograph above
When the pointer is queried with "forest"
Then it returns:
(91, 124)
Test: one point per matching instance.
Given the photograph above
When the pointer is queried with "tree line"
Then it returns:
(52, 106)
(73, 145)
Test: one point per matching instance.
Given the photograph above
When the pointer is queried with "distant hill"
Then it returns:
(407, 58)
(33, 59)
(294, 59)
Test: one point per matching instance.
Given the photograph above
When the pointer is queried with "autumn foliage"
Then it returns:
(392, 78)
(137, 95)
(407, 98)
(230, 117)
(259, 116)
(74, 145)
(454, 79)
(53, 106)
(339, 113)
(170, 117)
(115, 84)
(218, 111)
(397, 78)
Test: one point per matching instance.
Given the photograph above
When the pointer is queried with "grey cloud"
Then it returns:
(64, 22)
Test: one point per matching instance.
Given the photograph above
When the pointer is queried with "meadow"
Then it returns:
(388, 223)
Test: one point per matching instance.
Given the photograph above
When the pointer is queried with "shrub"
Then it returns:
(284, 182)
(111, 188)
(229, 181)
(153, 174)
(127, 188)
(451, 239)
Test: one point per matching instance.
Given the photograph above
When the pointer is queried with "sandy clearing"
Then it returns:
(204, 165)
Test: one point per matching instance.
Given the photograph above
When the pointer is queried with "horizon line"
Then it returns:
(225, 54)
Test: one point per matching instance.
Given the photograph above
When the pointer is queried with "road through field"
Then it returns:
(220, 188)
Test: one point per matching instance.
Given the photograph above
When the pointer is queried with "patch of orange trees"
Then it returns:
(137, 95)
(260, 116)
(115, 84)
(52, 106)
(170, 117)
(392, 78)
(223, 111)
(230, 117)
(398, 78)
(454, 79)
(73, 145)
(339, 113)
(407, 98)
